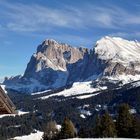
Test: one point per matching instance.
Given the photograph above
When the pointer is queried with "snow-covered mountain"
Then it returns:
(57, 65)
(122, 53)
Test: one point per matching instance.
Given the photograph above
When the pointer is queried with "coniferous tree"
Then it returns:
(51, 131)
(68, 130)
(98, 127)
(136, 128)
(107, 126)
(124, 122)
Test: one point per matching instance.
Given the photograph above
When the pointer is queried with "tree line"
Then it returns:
(124, 125)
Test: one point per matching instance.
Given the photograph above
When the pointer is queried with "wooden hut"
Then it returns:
(6, 105)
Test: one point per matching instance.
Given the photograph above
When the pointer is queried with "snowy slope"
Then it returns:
(38, 136)
(118, 50)
(78, 88)
(19, 113)
(124, 78)
(101, 139)
(33, 136)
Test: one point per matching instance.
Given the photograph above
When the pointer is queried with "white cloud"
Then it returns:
(20, 17)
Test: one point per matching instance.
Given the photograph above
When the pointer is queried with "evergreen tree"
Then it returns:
(124, 122)
(68, 130)
(136, 128)
(51, 131)
(98, 127)
(107, 126)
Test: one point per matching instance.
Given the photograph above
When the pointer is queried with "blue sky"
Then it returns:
(24, 24)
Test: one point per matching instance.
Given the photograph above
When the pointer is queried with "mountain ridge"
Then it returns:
(56, 65)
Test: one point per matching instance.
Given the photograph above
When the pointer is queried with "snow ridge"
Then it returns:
(118, 50)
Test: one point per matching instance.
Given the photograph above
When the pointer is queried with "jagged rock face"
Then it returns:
(113, 69)
(53, 64)
(56, 65)
(51, 54)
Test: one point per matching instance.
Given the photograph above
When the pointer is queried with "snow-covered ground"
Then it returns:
(13, 115)
(84, 112)
(136, 84)
(38, 136)
(125, 78)
(33, 136)
(40, 92)
(80, 88)
(101, 139)
(77, 89)
(86, 96)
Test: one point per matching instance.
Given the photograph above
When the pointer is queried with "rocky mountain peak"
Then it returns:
(54, 62)
(49, 42)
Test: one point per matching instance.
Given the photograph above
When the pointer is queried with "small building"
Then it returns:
(6, 105)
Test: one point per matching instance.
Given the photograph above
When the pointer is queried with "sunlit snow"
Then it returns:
(33, 136)
(13, 115)
(77, 89)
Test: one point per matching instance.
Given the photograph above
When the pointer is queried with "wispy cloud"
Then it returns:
(30, 18)
(35, 17)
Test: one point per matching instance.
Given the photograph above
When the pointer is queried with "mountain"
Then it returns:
(121, 56)
(57, 65)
